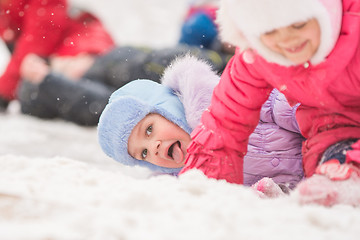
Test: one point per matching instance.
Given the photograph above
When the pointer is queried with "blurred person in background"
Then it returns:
(58, 90)
(199, 27)
(52, 30)
(48, 93)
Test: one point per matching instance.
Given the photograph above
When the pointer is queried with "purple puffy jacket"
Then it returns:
(274, 148)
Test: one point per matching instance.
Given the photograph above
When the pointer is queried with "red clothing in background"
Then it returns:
(45, 28)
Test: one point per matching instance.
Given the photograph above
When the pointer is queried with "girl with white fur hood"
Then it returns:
(310, 51)
(131, 132)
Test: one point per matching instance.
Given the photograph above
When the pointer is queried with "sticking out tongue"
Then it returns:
(177, 154)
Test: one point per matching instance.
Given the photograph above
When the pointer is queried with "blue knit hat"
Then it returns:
(198, 30)
(126, 108)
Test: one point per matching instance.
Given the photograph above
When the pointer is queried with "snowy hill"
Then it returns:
(56, 183)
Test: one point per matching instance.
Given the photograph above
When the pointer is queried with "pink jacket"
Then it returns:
(329, 93)
(46, 28)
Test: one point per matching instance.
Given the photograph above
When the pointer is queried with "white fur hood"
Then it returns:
(242, 22)
(193, 81)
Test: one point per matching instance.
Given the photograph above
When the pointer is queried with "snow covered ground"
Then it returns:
(55, 182)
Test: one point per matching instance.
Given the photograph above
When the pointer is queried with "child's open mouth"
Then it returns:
(175, 152)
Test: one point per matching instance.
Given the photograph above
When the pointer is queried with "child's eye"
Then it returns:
(299, 25)
(148, 130)
(144, 154)
(270, 32)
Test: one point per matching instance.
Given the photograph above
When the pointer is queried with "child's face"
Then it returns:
(158, 141)
(297, 42)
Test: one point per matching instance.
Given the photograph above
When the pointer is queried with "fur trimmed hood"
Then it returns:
(241, 23)
(193, 81)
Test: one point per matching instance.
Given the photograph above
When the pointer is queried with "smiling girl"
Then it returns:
(310, 51)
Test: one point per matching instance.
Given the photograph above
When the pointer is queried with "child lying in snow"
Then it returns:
(149, 124)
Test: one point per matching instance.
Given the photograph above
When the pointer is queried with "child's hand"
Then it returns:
(336, 171)
(267, 188)
(73, 67)
(33, 68)
(319, 189)
(334, 183)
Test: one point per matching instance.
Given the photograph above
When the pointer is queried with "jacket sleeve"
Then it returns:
(44, 24)
(277, 110)
(219, 143)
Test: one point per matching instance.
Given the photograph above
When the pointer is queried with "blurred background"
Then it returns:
(156, 22)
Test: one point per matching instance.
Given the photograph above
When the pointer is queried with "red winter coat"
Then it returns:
(329, 94)
(44, 27)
